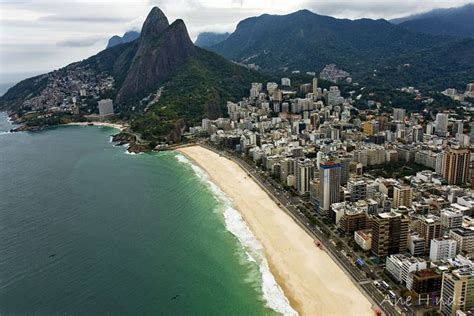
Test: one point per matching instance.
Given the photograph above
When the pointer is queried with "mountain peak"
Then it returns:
(304, 11)
(179, 27)
(156, 22)
(161, 50)
(179, 23)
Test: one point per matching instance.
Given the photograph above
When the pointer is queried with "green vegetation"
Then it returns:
(399, 56)
(16, 94)
(391, 98)
(199, 89)
(397, 169)
(33, 121)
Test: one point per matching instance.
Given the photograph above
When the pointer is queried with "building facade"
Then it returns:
(329, 180)
(389, 234)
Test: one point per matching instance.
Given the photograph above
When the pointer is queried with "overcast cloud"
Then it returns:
(42, 35)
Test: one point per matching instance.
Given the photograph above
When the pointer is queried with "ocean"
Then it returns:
(87, 229)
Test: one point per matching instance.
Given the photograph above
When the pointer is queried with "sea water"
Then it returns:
(86, 229)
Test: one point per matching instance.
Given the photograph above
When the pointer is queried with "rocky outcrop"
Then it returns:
(162, 48)
(178, 129)
(213, 108)
(124, 138)
(134, 145)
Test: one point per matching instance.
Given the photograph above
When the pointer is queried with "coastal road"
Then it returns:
(287, 203)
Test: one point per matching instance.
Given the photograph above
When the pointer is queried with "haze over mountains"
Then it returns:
(453, 21)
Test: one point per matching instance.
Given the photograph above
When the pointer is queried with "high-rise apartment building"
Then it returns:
(389, 234)
(441, 123)
(402, 196)
(457, 291)
(428, 227)
(417, 133)
(106, 107)
(450, 219)
(442, 249)
(315, 86)
(345, 169)
(330, 183)
(287, 168)
(464, 239)
(357, 189)
(455, 165)
(304, 174)
(399, 114)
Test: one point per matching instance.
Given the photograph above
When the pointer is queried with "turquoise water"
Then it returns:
(87, 229)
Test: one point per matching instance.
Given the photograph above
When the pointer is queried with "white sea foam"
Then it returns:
(235, 224)
(132, 153)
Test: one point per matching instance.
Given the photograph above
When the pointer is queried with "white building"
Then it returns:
(334, 96)
(441, 123)
(286, 82)
(442, 249)
(106, 107)
(357, 189)
(271, 87)
(399, 266)
(330, 183)
(416, 245)
(451, 219)
(363, 238)
(304, 174)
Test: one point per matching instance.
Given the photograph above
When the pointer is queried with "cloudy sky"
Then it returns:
(41, 35)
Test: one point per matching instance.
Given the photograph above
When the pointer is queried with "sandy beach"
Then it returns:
(312, 281)
(114, 125)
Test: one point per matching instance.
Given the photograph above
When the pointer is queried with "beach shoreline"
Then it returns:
(121, 127)
(312, 282)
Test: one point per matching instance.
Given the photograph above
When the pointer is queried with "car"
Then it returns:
(392, 294)
(385, 286)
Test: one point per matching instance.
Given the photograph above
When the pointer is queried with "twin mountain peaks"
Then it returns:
(197, 82)
(160, 49)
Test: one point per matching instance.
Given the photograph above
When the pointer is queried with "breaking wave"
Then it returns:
(235, 224)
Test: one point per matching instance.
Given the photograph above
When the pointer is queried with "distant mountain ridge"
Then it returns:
(307, 42)
(207, 39)
(128, 37)
(453, 21)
